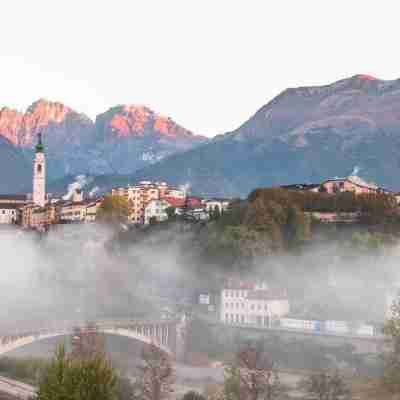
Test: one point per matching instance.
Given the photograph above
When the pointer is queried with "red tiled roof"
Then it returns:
(174, 201)
(194, 201)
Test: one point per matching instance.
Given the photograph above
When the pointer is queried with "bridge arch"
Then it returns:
(156, 335)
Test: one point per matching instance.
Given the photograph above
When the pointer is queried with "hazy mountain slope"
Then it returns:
(303, 135)
(12, 164)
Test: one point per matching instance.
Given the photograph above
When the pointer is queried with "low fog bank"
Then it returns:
(79, 272)
(332, 281)
(67, 274)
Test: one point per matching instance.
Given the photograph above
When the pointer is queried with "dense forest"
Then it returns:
(270, 224)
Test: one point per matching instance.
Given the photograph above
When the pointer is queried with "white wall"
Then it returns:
(7, 216)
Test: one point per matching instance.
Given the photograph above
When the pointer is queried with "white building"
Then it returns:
(176, 193)
(221, 204)
(198, 214)
(8, 213)
(156, 209)
(39, 175)
(252, 303)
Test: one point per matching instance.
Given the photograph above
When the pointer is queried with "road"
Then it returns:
(15, 389)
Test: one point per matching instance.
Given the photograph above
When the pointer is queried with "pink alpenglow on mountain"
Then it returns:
(367, 77)
(122, 140)
(42, 116)
(132, 120)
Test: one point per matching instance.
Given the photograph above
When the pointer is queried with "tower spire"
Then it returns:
(39, 147)
(39, 174)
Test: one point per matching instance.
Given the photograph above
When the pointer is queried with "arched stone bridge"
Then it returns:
(168, 335)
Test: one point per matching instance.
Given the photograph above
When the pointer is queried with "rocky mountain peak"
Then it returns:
(140, 121)
(10, 121)
(42, 115)
(366, 77)
(49, 110)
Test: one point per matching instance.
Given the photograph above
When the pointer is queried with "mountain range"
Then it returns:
(304, 134)
(121, 140)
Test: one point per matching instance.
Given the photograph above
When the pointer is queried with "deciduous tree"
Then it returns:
(251, 376)
(391, 377)
(156, 375)
(113, 209)
(325, 386)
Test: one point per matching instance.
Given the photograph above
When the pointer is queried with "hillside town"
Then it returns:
(148, 202)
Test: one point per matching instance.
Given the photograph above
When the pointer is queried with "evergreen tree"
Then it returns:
(83, 378)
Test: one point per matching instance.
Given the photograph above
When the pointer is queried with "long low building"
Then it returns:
(78, 211)
(244, 302)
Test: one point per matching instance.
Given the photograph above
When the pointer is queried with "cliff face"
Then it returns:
(123, 139)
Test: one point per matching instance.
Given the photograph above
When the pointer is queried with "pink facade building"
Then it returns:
(349, 184)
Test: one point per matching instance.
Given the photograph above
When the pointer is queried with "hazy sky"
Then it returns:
(209, 64)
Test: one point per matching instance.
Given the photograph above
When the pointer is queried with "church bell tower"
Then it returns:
(39, 174)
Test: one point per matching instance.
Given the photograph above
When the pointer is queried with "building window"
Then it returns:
(39, 168)
(242, 319)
